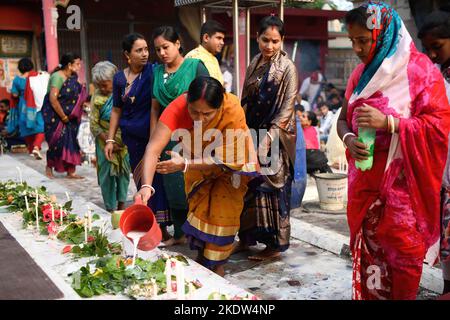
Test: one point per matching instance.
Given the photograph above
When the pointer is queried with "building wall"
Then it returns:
(24, 19)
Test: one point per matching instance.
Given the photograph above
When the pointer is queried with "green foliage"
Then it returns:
(112, 276)
(97, 246)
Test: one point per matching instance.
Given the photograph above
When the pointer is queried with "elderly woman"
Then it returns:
(113, 175)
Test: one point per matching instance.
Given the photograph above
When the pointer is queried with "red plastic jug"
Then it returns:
(140, 217)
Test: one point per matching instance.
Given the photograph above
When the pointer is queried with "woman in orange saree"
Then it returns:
(216, 174)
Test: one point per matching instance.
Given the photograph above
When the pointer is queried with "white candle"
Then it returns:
(26, 203)
(85, 227)
(20, 175)
(191, 290)
(89, 219)
(168, 272)
(61, 214)
(180, 280)
(67, 196)
(155, 288)
(53, 212)
(37, 210)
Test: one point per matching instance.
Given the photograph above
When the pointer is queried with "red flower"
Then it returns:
(67, 249)
(90, 239)
(47, 212)
(52, 228)
(46, 207)
(58, 214)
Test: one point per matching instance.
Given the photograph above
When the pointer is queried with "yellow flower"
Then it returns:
(97, 272)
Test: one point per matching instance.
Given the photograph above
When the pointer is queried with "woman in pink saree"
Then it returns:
(393, 208)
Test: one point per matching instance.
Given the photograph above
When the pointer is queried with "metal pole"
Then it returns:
(84, 49)
(203, 14)
(236, 46)
(247, 34)
(282, 10)
(282, 16)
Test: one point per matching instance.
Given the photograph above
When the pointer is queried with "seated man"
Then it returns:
(7, 139)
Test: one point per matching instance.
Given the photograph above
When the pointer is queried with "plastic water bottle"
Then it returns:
(366, 136)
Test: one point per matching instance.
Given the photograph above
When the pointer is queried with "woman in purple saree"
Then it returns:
(62, 110)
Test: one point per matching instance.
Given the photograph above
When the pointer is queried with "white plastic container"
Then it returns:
(332, 189)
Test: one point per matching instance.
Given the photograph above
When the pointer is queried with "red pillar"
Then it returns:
(51, 36)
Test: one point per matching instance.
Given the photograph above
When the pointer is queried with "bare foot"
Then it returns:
(181, 240)
(49, 173)
(266, 254)
(36, 153)
(238, 246)
(219, 270)
(74, 176)
(169, 242)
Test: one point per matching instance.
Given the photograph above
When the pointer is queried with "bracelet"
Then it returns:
(63, 119)
(110, 140)
(186, 165)
(392, 124)
(345, 136)
(270, 136)
(149, 186)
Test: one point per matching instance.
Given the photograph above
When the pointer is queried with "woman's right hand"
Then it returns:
(357, 149)
(144, 194)
(109, 149)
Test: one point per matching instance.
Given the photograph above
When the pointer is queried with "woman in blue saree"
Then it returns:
(132, 97)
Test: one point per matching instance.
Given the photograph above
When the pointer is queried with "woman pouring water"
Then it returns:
(215, 180)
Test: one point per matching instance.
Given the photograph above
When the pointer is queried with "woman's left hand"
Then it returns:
(175, 164)
(370, 117)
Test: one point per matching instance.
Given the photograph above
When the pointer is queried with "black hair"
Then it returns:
(5, 101)
(299, 107)
(167, 32)
(271, 21)
(322, 104)
(68, 57)
(437, 25)
(211, 27)
(312, 117)
(207, 88)
(25, 65)
(129, 40)
(357, 16)
(332, 96)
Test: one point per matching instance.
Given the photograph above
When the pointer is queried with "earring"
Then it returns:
(129, 60)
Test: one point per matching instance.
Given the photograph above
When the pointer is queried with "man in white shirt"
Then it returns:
(326, 120)
(311, 87)
(227, 78)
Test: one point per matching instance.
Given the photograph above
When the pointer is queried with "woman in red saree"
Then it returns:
(393, 208)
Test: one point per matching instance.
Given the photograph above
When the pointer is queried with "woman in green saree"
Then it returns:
(113, 176)
(171, 79)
